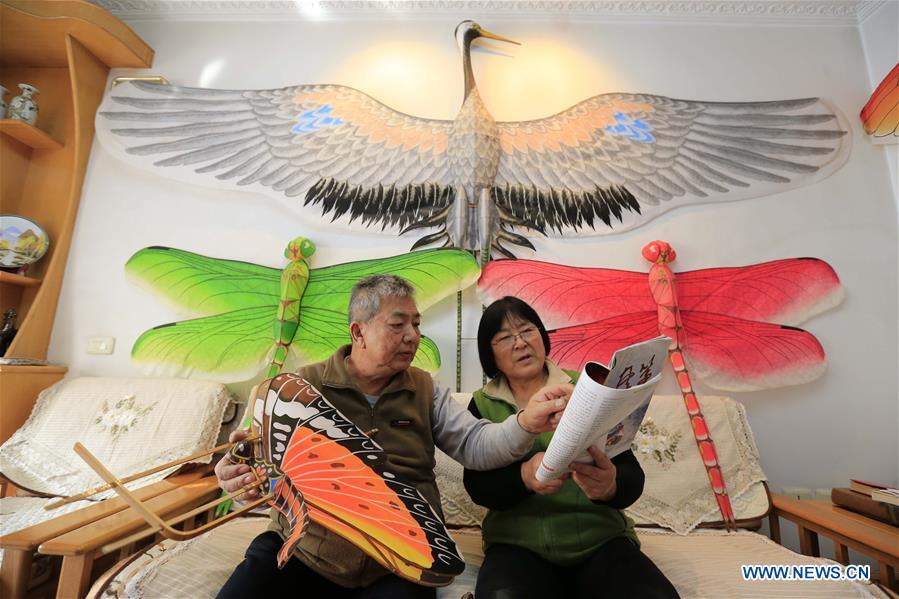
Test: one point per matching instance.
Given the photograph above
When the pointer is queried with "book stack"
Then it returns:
(870, 499)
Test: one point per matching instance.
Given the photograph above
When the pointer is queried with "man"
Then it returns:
(372, 383)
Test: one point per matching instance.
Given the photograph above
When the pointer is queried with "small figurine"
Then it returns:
(23, 107)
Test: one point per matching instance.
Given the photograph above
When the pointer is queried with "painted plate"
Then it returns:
(21, 241)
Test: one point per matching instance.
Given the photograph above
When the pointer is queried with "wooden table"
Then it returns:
(847, 529)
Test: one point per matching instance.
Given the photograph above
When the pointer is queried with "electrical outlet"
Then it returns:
(100, 345)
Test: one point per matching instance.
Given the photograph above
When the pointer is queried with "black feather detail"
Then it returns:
(406, 206)
(561, 209)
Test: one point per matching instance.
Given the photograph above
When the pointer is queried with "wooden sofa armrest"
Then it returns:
(81, 546)
(116, 526)
(30, 538)
(19, 546)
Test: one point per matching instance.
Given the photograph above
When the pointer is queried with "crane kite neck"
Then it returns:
(466, 68)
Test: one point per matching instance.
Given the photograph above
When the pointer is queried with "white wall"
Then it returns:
(816, 435)
(880, 39)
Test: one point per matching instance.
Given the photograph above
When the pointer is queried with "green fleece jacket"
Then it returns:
(565, 527)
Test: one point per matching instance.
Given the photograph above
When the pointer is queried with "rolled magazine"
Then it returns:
(606, 407)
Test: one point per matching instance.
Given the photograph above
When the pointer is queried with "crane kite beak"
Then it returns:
(493, 36)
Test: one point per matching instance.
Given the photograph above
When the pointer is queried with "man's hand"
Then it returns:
(544, 409)
(529, 477)
(233, 476)
(597, 480)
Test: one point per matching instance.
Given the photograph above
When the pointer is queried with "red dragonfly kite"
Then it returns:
(720, 321)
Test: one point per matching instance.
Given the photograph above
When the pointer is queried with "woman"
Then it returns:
(566, 537)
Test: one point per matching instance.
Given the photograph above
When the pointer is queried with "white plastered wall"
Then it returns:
(816, 435)
(880, 39)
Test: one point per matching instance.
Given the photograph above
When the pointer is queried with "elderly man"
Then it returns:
(372, 383)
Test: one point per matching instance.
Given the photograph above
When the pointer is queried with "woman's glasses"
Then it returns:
(528, 335)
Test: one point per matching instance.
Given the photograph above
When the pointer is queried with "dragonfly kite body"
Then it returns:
(719, 320)
(663, 287)
(294, 278)
(604, 165)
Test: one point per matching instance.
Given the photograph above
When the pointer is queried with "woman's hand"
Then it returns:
(233, 476)
(544, 409)
(529, 477)
(597, 480)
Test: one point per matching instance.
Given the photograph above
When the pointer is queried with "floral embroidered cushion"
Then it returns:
(129, 424)
(677, 494)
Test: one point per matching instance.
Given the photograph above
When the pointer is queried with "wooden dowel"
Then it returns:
(66, 500)
(138, 536)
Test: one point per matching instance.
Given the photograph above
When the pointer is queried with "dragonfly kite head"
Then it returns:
(659, 252)
(467, 31)
(299, 249)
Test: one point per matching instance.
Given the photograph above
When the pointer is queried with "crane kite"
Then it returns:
(607, 164)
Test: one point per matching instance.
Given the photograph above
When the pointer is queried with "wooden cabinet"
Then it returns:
(65, 48)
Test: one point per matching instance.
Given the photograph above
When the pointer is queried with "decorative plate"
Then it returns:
(21, 241)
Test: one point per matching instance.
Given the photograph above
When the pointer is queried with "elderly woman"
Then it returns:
(567, 537)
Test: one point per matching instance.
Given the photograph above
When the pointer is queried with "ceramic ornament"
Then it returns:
(24, 107)
(3, 104)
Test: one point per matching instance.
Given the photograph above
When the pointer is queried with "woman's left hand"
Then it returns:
(596, 480)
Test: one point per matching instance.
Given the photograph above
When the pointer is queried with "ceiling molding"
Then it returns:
(839, 13)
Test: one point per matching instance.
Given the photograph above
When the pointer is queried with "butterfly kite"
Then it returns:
(720, 321)
(314, 465)
(319, 466)
(607, 164)
(249, 315)
(880, 116)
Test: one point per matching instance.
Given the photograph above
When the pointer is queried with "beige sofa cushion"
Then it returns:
(130, 424)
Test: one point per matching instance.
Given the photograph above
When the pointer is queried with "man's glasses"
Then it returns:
(527, 335)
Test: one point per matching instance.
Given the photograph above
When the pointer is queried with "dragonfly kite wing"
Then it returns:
(788, 291)
(567, 295)
(615, 161)
(316, 457)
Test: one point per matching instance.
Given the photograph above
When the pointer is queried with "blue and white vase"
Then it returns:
(23, 107)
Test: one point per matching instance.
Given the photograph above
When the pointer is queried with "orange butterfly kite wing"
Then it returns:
(880, 116)
(318, 461)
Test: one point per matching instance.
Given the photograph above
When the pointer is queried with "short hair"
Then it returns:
(492, 321)
(368, 293)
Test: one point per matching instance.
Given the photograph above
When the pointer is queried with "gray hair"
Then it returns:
(368, 293)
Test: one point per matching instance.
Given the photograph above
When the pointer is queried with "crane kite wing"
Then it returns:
(333, 145)
(622, 159)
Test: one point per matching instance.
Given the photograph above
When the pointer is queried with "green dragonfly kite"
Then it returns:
(248, 315)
